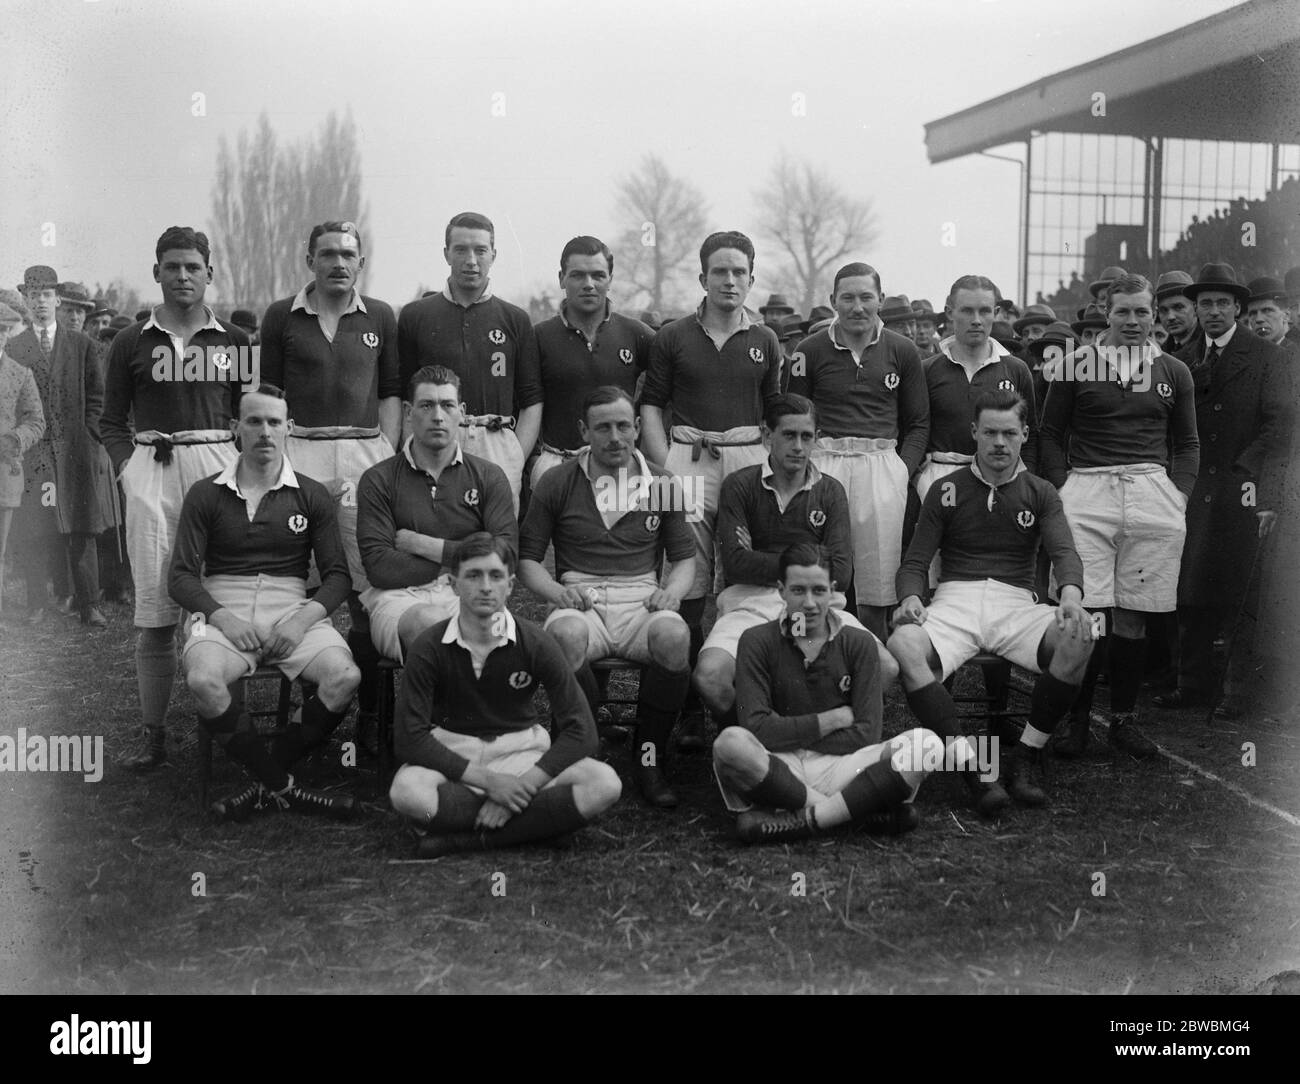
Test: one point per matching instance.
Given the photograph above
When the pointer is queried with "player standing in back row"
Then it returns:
(487, 342)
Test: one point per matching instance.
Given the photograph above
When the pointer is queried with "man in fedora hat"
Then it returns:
(99, 317)
(172, 391)
(1175, 310)
(1033, 323)
(1244, 414)
(897, 315)
(927, 327)
(1090, 323)
(1266, 312)
(1097, 288)
(820, 317)
(1127, 411)
(868, 387)
(777, 307)
(61, 512)
(74, 304)
(1045, 353)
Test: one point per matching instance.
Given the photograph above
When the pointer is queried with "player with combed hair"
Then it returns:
(806, 757)
(480, 771)
(986, 522)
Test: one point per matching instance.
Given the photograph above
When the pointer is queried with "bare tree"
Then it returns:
(663, 222)
(266, 197)
(815, 224)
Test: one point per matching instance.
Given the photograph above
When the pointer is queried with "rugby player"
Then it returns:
(587, 345)
(243, 546)
(807, 756)
(718, 370)
(874, 416)
(487, 342)
(1129, 413)
(613, 517)
(479, 769)
(414, 508)
(334, 352)
(172, 390)
(986, 521)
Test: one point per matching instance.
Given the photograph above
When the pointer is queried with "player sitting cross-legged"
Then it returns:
(986, 522)
(806, 756)
(480, 771)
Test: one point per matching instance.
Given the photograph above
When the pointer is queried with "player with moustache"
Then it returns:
(244, 543)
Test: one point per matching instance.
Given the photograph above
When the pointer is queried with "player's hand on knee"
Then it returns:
(239, 632)
(492, 815)
(575, 598)
(910, 612)
(663, 600)
(336, 487)
(511, 791)
(1266, 521)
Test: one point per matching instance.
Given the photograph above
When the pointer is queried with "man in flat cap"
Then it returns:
(61, 513)
(1266, 313)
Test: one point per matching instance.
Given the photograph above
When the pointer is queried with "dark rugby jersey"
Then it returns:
(563, 511)
(982, 543)
(778, 697)
(572, 368)
(136, 401)
(332, 383)
(883, 397)
(470, 495)
(293, 522)
(818, 514)
(711, 389)
(952, 399)
(1113, 425)
(490, 345)
(440, 688)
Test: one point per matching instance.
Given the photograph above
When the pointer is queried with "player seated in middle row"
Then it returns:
(808, 695)
(612, 517)
(762, 510)
(986, 522)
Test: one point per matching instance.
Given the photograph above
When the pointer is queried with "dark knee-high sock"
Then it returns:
(458, 807)
(296, 741)
(727, 718)
(692, 611)
(1082, 706)
(155, 664)
(1051, 699)
(876, 787)
(779, 788)
(366, 656)
(551, 813)
(1128, 660)
(586, 678)
(658, 704)
(934, 709)
(243, 746)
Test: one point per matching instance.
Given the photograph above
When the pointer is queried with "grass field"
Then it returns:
(120, 885)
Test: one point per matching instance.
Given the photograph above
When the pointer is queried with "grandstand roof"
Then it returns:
(1234, 76)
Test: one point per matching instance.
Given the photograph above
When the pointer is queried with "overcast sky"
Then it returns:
(98, 135)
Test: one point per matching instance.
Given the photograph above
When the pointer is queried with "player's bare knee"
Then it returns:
(889, 668)
(714, 680)
(414, 793)
(917, 753)
(670, 644)
(735, 750)
(337, 689)
(571, 634)
(207, 686)
(597, 789)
